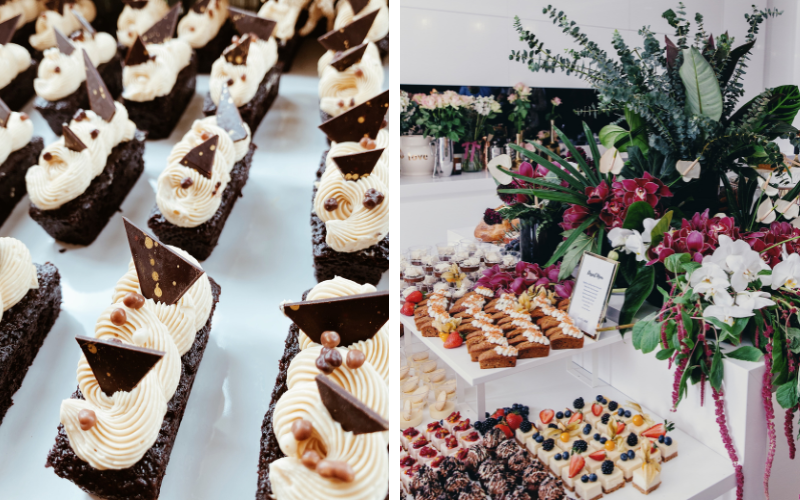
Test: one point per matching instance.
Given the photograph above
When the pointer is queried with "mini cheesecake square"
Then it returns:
(558, 466)
(532, 445)
(427, 455)
(407, 436)
(450, 447)
(668, 452)
(592, 465)
(432, 428)
(589, 490)
(629, 466)
(641, 483)
(417, 444)
(438, 438)
(611, 482)
(470, 439)
(591, 418)
(545, 456)
(565, 446)
(571, 482)
(522, 437)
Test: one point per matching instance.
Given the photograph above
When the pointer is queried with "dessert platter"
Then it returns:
(131, 269)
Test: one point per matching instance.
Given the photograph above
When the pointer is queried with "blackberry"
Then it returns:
(525, 426)
(548, 444)
(490, 422)
(632, 440)
(613, 406)
(552, 426)
(580, 446)
(578, 404)
(604, 419)
(607, 467)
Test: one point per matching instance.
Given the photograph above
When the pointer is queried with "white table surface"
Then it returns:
(264, 257)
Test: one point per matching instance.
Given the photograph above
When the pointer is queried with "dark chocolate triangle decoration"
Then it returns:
(72, 141)
(358, 5)
(137, 54)
(100, 98)
(349, 57)
(354, 318)
(7, 29)
(135, 4)
(64, 45)
(5, 113)
(200, 6)
(349, 36)
(164, 275)
(86, 25)
(201, 157)
(164, 28)
(117, 366)
(249, 22)
(228, 117)
(358, 165)
(364, 120)
(237, 53)
(353, 415)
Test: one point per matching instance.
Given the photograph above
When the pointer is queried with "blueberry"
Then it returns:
(567, 413)
(584, 478)
(621, 412)
(604, 401)
(603, 440)
(599, 399)
(535, 435)
(539, 438)
(668, 441)
(627, 414)
(552, 426)
(660, 439)
(623, 457)
(557, 456)
(560, 415)
(593, 477)
(587, 429)
(631, 454)
(596, 436)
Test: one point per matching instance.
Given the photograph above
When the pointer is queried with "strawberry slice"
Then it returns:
(620, 427)
(514, 420)
(598, 456)
(414, 296)
(655, 431)
(453, 340)
(576, 417)
(597, 409)
(499, 413)
(506, 430)
(576, 464)
(546, 416)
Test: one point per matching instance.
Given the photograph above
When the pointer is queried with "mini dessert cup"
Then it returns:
(429, 282)
(416, 254)
(413, 275)
(509, 260)
(445, 251)
(417, 353)
(493, 257)
(428, 263)
(440, 268)
(406, 291)
(467, 246)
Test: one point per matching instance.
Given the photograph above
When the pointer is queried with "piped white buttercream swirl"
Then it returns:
(59, 75)
(194, 205)
(341, 91)
(346, 148)
(245, 78)
(15, 135)
(45, 37)
(132, 22)
(13, 61)
(28, 10)
(156, 77)
(17, 273)
(66, 174)
(380, 27)
(199, 28)
(285, 14)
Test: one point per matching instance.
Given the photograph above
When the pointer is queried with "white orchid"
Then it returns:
(753, 300)
(635, 244)
(618, 236)
(711, 281)
(632, 241)
(649, 224)
(727, 314)
(787, 273)
(741, 262)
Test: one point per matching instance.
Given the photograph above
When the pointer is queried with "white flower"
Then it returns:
(611, 161)
(649, 224)
(727, 314)
(709, 280)
(740, 261)
(722, 298)
(618, 236)
(753, 300)
(787, 273)
(766, 212)
(688, 169)
(635, 244)
(768, 189)
(789, 209)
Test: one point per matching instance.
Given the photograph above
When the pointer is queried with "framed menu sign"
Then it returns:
(589, 300)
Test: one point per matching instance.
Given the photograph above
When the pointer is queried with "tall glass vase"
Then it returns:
(444, 156)
(537, 243)
(473, 158)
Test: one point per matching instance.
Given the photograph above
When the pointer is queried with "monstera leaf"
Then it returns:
(703, 96)
(614, 136)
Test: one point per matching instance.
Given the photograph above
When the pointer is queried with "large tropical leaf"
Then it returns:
(572, 257)
(636, 294)
(703, 95)
(573, 235)
(736, 54)
(781, 109)
(614, 136)
(577, 182)
(590, 173)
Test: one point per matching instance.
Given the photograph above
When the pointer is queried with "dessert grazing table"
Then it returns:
(264, 257)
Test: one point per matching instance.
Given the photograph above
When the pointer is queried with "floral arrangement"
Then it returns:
(526, 277)
(553, 114)
(443, 115)
(519, 98)
(483, 110)
(408, 108)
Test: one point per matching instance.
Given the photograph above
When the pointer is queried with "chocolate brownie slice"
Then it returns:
(201, 240)
(23, 330)
(80, 221)
(364, 266)
(159, 116)
(253, 111)
(12, 172)
(20, 90)
(61, 111)
(143, 480)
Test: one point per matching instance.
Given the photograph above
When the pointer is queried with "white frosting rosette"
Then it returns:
(341, 91)
(132, 22)
(286, 13)
(155, 78)
(243, 80)
(199, 28)
(15, 135)
(17, 273)
(13, 61)
(28, 10)
(60, 75)
(66, 22)
(380, 27)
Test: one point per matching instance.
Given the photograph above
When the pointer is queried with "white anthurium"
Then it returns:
(688, 169)
(766, 212)
(611, 161)
(500, 161)
(789, 209)
(740, 261)
(727, 314)
(753, 300)
(787, 273)
(618, 236)
(768, 189)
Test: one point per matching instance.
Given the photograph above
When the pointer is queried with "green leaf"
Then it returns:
(577, 184)
(610, 134)
(674, 262)
(793, 334)
(592, 144)
(745, 353)
(639, 329)
(657, 234)
(547, 195)
(716, 373)
(787, 394)
(682, 385)
(572, 258)
(587, 171)
(689, 267)
(543, 182)
(736, 54)
(636, 294)
(564, 245)
(780, 363)
(579, 177)
(664, 354)
(651, 336)
(703, 95)
(638, 211)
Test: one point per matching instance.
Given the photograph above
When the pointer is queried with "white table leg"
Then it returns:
(480, 396)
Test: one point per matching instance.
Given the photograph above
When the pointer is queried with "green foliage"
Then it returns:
(745, 353)
(638, 211)
(703, 96)
(636, 293)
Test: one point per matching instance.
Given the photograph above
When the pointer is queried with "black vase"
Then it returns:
(536, 243)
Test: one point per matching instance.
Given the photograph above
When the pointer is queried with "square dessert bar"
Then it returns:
(12, 172)
(81, 220)
(23, 330)
(20, 90)
(143, 480)
(254, 111)
(211, 51)
(201, 240)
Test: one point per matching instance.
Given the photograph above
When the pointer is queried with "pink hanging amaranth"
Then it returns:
(787, 429)
(766, 394)
(702, 389)
(681, 365)
(719, 410)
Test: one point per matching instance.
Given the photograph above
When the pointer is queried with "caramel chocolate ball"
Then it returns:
(302, 429)
(187, 182)
(337, 469)
(133, 300)
(367, 143)
(119, 317)
(333, 358)
(331, 204)
(310, 459)
(87, 419)
(330, 339)
(373, 198)
(355, 359)
(323, 365)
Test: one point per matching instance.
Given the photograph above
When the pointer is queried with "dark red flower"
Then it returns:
(574, 217)
(648, 189)
(492, 217)
(597, 194)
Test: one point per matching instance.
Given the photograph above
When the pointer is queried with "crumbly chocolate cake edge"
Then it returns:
(20, 90)
(13, 171)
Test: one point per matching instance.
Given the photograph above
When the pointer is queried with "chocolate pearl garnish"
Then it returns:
(87, 419)
(333, 358)
(367, 143)
(119, 317)
(339, 470)
(133, 300)
(331, 204)
(79, 115)
(244, 78)
(57, 70)
(359, 73)
(186, 182)
(340, 104)
(95, 133)
(323, 365)
(47, 157)
(302, 429)
(372, 198)
(355, 358)
(352, 102)
(330, 339)
(205, 136)
(310, 459)
(23, 117)
(230, 82)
